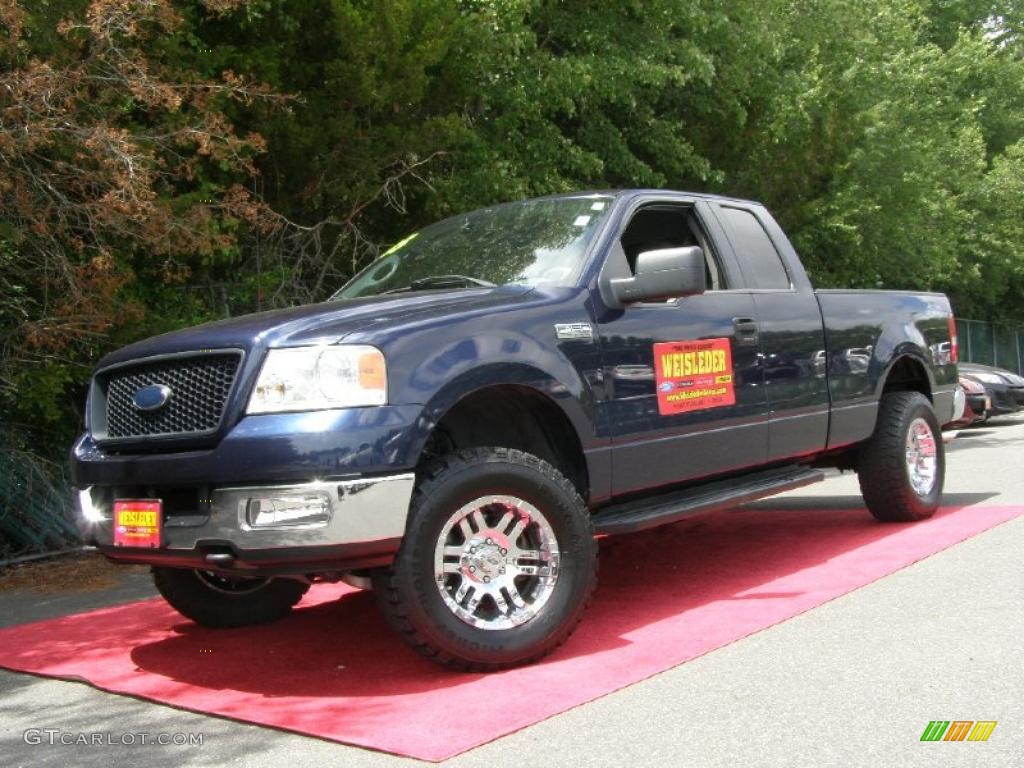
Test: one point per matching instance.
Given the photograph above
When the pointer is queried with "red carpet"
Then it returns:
(333, 670)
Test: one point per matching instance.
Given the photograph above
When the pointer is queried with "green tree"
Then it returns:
(158, 183)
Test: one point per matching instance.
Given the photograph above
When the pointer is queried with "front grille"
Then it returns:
(200, 386)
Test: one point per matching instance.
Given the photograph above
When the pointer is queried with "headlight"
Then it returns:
(988, 378)
(314, 378)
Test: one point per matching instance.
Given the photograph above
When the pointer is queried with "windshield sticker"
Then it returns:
(399, 245)
(693, 375)
(598, 206)
(581, 221)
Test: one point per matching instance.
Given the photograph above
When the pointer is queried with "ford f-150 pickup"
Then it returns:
(460, 420)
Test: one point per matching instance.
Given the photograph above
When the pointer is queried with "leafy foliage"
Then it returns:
(111, 157)
(164, 162)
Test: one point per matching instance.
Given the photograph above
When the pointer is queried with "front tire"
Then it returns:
(217, 601)
(497, 564)
(902, 467)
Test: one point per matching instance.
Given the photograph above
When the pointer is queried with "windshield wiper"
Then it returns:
(444, 281)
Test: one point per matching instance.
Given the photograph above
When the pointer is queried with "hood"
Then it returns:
(326, 323)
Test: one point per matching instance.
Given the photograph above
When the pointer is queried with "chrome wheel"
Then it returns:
(496, 562)
(921, 456)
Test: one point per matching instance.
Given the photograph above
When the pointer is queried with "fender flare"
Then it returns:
(569, 400)
(574, 402)
(905, 351)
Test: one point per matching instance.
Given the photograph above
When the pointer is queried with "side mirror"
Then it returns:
(667, 273)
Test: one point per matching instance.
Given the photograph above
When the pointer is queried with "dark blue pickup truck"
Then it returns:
(457, 423)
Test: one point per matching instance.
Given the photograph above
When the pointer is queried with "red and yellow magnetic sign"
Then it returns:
(693, 375)
(137, 523)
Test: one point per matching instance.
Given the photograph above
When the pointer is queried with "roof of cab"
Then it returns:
(649, 191)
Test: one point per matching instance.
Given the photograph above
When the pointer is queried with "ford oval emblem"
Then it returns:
(152, 397)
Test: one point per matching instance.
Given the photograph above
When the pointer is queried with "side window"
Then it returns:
(669, 226)
(758, 257)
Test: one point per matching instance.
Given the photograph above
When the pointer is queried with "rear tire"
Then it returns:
(219, 602)
(497, 564)
(901, 468)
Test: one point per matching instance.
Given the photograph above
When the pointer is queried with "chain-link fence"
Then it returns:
(36, 514)
(991, 344)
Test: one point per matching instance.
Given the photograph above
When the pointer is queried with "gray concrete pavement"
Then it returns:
(852, 682)
(25, 605)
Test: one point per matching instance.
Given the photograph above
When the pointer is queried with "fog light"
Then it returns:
(89, 511)
(288, 511)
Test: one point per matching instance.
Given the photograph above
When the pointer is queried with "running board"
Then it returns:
(672, 506)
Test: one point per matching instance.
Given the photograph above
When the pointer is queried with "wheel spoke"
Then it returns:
(467, 531)
(499, 600)
(529, 554)
(517, 529)
(453, 551)
(502, 525)
(451, 568)
(474, 600)
(515, 597)
(478, 520)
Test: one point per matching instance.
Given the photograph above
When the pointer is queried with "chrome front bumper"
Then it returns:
(356, 513)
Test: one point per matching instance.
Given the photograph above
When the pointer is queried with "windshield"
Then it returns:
(534, 242)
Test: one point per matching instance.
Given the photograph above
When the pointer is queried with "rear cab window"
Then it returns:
(759, 259)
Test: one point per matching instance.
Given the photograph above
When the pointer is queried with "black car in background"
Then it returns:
(1005, 388)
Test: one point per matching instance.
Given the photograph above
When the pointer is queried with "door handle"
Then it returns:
(745, 330)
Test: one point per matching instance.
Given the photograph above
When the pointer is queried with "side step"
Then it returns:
(672, 506)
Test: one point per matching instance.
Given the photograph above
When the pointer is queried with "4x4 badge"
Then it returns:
(575, 331)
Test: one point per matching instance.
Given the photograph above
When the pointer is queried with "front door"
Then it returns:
(683, 383)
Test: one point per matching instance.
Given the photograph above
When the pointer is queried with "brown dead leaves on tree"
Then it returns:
(104, 149)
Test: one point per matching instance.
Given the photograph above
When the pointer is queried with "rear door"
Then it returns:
(684, 396)
(790, 327)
